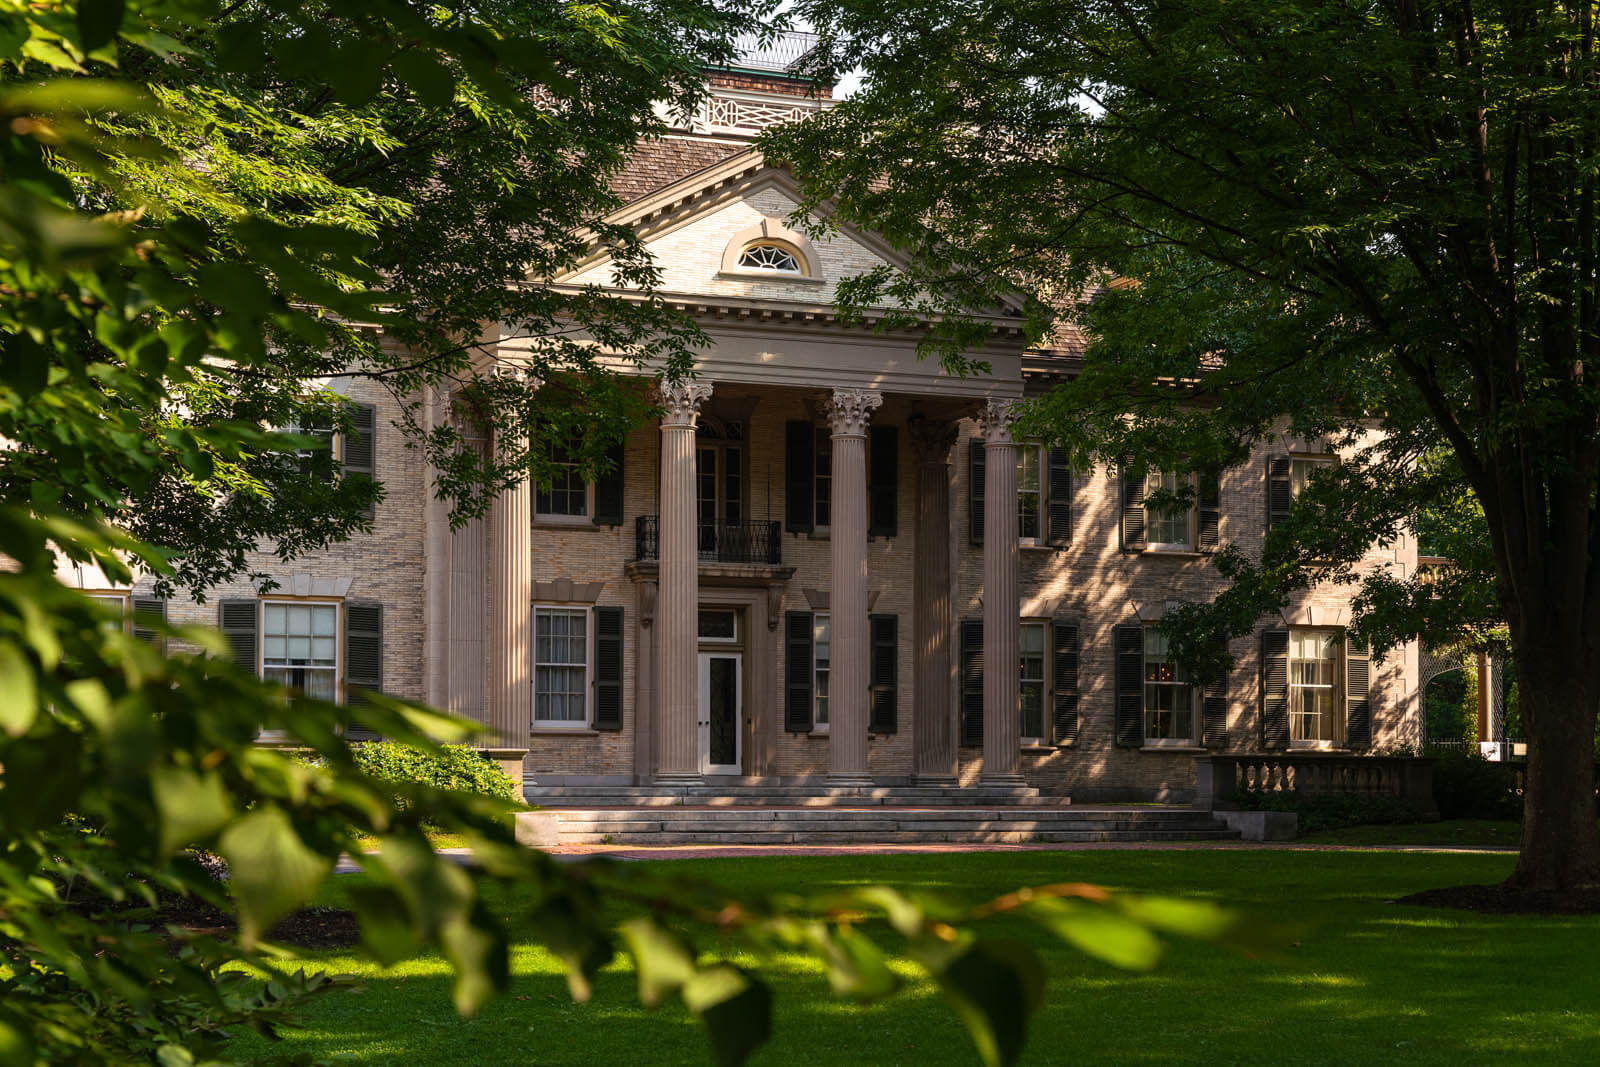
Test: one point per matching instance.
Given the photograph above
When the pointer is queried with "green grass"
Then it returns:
(1462, 833)
(1373, 982)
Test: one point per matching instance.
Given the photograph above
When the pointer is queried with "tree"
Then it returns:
(1325, 218)
(161, 298)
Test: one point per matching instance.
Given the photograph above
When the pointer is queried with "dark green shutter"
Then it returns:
(797, 670)
(1060, 505)
(238, 620)
(608, 668)
(1208, 508)
(1214, 711)
(975, 490)
(359, 452)
(1275, 688)
(885, 670)
(608, 490)
(148, 615)
(1064, 670)
(971, 682)
(1280, 490)
(883, 482)
(1129, 643)
(1357, 695)
(363, 650)
(799, 469)
(1133, 525)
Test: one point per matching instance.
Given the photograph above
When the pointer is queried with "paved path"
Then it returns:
(577, 853)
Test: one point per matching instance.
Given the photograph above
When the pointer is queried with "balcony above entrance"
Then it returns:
(741, 542)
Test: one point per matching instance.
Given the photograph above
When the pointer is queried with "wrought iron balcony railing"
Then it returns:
(739, 542)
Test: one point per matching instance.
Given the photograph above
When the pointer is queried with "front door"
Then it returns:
(719, 713)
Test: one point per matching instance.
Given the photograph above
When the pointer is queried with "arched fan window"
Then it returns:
(770, 257)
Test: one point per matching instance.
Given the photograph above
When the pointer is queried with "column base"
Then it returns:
(679, 778)
(850, 780)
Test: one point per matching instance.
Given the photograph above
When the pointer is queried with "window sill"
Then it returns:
(1179, 750)
(1040, 746)
(564, 731)
(820, 533)
(1040, 546)
(818, 735)
(564, 522)
(1175, 553)
(1319, 746)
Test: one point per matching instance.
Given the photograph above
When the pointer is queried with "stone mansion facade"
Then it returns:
(829, 561)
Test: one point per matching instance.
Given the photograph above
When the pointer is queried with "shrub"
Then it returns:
(455, 767)
(1320, 812)
(1467, 786)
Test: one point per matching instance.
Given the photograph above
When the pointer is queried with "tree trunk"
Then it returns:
(1560, 845)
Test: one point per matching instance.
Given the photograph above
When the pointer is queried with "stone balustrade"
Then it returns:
(1219, 780)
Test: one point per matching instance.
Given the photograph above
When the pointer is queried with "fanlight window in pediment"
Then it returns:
(772, 257)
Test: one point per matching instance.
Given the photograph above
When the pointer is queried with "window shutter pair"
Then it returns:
(1058, 488)
(148, 614)
(800, 472)
(884, 690)
(608, 493)
(1064, 678)
(1207, 509)
(607, 668)
(797, 668)
(359, 451)
(1128, 641)
(1280, 490)
(971, 667)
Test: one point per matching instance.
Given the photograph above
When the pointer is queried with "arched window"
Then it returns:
(765, 256)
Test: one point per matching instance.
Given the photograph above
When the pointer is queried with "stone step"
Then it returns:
(757, 800)
(880, 817)
(894, 837)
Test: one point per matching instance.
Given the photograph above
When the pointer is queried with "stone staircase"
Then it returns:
(876, 824)
(756, 793)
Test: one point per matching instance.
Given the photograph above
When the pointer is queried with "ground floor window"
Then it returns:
(560, 667)
(300, 647)
(1168, 694)
(1316, 699)
(1031, 646)
(821, 655)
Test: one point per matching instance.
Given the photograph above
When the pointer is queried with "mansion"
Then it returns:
(829, 561)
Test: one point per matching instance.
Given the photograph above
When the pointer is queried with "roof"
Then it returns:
(657, 164)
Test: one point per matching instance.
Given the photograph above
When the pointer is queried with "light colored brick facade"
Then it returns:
(777, 354)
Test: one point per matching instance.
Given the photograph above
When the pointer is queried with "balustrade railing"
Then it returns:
(738, 542)
(1219, 780)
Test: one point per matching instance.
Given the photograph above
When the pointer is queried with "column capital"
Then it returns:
(682, 401)
(931, 439)
(850, 410)
(995, 420)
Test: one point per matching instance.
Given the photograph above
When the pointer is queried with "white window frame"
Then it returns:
(1312, 459)
(795, 256)
(561, 725)
(556, 518)
(1176, 684)
(1183, 480)
(819, 619)
(122, 596)
(1341, 708)
(338, 640)
(1041, 516)
(733, 640)
(1043, 681)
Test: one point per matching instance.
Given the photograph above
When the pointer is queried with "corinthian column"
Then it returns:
(933, 722)
(677, 693)
(1002, 728)
(510, 693)
(849, 412)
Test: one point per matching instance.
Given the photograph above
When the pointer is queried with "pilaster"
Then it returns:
(510, 692)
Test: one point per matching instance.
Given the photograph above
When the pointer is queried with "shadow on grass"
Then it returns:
(1373, 982)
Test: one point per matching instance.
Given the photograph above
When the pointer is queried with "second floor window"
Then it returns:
(568, 492)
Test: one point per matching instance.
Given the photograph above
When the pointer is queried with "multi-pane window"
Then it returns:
(821, 652)
(1030, 495)
(822, 479)
(770, 257)
(1301, 469)
(300, 647)
(1316, 704)
(1168, 693)
(1031, 645)
(568, 492)
(1168, 527)
(560, 666)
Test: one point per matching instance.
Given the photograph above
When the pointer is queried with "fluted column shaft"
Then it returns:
(510, 692)
(933, 721)
(677, 690)
(1002, 737)
(468, 583)
(849, 412)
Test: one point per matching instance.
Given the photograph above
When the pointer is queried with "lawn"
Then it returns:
(1461, 833)
(1373, 982)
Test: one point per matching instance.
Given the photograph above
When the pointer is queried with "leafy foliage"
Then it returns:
(1467, 786)
(453, 767)
(1319, 813)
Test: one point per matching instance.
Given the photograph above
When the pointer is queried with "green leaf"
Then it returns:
(192, 805)
(994, 987)
(387, 928)
(270, 870)
(19, 706)
(428, 78)
(98, 22)
(663, 959)
(856, 965)
(1104, 934)
(735, 1008)
(477, 948)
